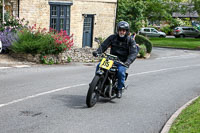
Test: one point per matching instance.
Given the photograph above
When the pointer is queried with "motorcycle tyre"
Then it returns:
(89, 100)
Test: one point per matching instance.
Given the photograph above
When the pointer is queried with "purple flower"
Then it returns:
(7, 37)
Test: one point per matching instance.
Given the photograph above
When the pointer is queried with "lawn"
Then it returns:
(189, 120)
(185, 43)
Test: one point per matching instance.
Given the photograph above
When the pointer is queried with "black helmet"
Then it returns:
(123, 25)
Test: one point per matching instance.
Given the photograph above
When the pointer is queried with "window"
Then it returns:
(186, 28)
(153, 30)
(192, 29)
(60, 16)
(147, 30)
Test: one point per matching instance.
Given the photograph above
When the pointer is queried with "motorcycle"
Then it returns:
(105, 81)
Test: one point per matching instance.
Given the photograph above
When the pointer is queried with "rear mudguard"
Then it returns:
(126, 76)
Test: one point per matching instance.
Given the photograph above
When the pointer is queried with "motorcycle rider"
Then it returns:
(124, 48)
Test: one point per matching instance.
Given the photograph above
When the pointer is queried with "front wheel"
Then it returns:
(93, 92)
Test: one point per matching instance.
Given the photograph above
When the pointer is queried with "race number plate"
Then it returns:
(106, 64)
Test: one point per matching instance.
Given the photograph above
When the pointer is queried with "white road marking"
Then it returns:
(39, 94)
(17, 66)
(4, 67)
(20, 66)
(166, 69)
(64, 88)
(180, 56)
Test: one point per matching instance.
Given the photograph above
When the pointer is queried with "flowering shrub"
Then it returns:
(35, 40)
(46, 60)
(13, 23)
(63, 42)
(7, 37)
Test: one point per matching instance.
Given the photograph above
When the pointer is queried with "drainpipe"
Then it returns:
(116, 16)
(18, 9)
(3, 10)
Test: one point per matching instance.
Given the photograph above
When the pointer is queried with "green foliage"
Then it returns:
(196, 4)
(36, 41)
(185, 43)
(137, 12)
(167, 29)
(47, 60)
(132, 12)
(157, 10)
(143, 51)
(69, 59)
(143, 40)
(189, 120)
(33, 43)
(187, 22)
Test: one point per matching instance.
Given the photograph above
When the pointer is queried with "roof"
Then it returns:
(186, 15)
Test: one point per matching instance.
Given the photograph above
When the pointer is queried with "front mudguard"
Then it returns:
(100, 72)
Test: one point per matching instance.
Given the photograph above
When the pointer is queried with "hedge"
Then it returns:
(143, 40)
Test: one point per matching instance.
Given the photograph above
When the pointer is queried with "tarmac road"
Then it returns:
(51, 99)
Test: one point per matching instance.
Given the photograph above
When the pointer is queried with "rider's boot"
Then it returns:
(119, 93)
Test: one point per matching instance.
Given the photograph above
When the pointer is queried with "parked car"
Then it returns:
(186, 32)
(151, 32)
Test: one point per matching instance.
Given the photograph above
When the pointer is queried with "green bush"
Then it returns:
(143, 40)
(31, 43)
(142, 51)
(69, 59)
(167, 29)
(36, 41)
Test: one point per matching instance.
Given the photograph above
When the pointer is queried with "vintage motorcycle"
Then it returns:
(105, 81)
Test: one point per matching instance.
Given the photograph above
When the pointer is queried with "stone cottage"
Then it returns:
(85, 19)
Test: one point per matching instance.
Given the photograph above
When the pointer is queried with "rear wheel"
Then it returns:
(161, 36)
(182, 36)
(93, 92)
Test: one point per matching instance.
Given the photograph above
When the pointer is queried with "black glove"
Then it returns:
(127, 64)
(95, 53)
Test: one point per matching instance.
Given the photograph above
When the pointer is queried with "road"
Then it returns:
(51, 99)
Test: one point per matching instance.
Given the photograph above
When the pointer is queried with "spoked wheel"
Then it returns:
(93, 92)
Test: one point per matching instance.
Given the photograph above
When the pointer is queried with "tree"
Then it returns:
(196, 8)
(132, 12)
(137, 12)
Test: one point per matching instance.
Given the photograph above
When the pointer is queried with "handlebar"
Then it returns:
(113, 57)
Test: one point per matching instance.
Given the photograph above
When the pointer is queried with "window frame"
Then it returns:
(67, 15)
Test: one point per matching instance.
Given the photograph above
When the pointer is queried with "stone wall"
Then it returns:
(38, 12)
(104, 18)
(83, 55)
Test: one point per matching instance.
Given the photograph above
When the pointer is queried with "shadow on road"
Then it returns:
(78, 101)
(72, 101)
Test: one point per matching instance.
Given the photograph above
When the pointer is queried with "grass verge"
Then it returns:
(185, 43)
(189, 120)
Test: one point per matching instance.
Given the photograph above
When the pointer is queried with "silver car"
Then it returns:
(151, 32)
(186, 32)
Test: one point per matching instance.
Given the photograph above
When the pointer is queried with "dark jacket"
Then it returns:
(124, 48)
